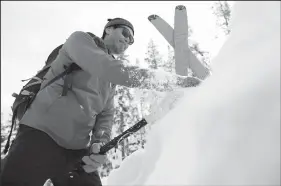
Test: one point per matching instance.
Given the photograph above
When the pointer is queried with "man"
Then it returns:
(54, 133)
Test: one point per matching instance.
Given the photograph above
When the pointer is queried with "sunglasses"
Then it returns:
(127, 34)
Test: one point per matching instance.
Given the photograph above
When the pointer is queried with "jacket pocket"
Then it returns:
(67, 106)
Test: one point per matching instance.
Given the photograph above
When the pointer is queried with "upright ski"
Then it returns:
(182, 60)
(167, 31)
(163, 27)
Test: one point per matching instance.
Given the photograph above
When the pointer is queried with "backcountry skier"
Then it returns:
(58, 130)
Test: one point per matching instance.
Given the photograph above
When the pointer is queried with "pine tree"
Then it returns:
(221, 10)
(3, 133)
(169, 64)
(153, 57)
(202, 55)
(5, 129)
(126, 114)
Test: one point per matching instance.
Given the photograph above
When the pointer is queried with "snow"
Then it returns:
(227, 130)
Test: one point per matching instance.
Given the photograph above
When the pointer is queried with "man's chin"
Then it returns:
(117, 52)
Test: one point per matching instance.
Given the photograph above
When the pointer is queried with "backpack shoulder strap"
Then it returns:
(72, 67)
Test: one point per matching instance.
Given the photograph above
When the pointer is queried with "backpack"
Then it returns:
(29, 91)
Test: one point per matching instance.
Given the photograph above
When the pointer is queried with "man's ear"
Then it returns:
(108, 30)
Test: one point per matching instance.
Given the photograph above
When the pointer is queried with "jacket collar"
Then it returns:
(99, 42)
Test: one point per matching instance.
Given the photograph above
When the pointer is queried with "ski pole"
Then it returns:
(112, 143)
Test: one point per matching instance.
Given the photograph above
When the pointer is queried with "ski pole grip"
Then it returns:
(108, 146)
(115, 141)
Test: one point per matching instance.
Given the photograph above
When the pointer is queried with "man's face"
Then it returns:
(119, 39)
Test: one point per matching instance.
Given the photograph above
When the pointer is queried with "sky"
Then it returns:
(31, 30)
(227, 130)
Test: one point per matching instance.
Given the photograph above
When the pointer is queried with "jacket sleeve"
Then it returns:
(104, 122)
(81, 48)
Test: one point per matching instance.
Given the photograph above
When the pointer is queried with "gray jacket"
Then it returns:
(89, 105)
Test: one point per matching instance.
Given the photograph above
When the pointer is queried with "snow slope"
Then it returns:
(227, 130)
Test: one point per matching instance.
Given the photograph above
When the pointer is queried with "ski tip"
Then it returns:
(180, 7)
(152, 17)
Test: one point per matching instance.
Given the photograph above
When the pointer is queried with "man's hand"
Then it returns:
(95, 160)
(188, 81)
